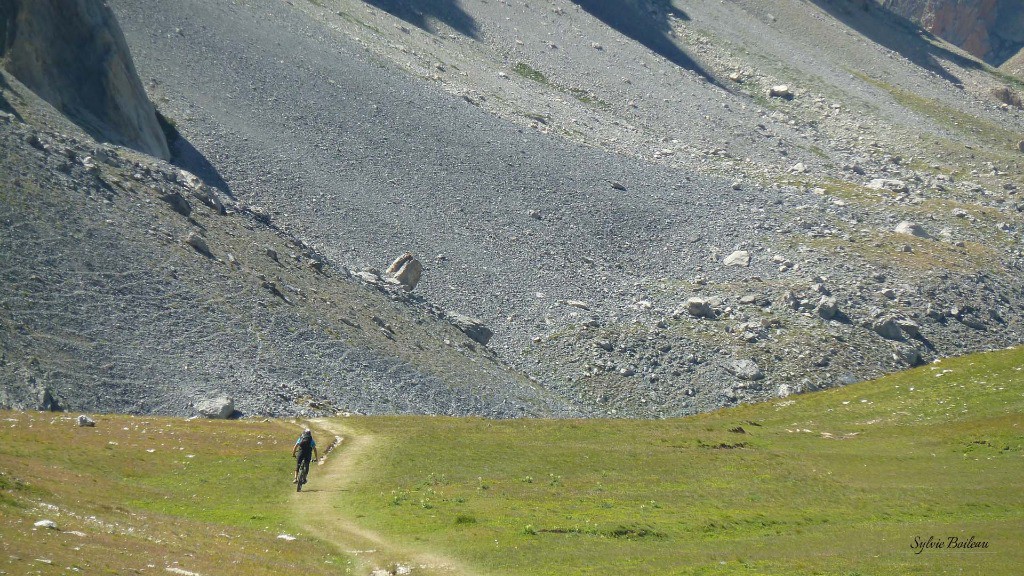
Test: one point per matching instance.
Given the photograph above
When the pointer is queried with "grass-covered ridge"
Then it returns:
(839, 482)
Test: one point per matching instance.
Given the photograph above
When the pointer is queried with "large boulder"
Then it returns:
(406, 270)
(220, 407)
(73, 54)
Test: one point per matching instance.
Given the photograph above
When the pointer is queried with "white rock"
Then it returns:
(49, 524)
(737, 258)
(84, 421)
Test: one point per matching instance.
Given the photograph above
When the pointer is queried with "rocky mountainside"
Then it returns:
(992, 30)
(131, 286)
(657, 208)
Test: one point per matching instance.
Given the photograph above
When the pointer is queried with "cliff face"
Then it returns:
(72, 53)
(989, 29)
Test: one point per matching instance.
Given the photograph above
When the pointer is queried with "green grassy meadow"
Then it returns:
(840, 482)
(837, 482)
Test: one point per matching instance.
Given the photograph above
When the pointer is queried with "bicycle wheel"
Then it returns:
(303, 470)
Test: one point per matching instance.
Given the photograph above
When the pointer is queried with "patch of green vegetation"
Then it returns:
(585, 96)
(530, 73)
(836, 482)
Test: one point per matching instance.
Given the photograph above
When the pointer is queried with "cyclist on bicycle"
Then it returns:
(304, 450)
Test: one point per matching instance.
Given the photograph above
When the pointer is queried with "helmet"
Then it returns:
(307, 432)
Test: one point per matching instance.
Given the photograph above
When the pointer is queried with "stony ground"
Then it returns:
(574, 174)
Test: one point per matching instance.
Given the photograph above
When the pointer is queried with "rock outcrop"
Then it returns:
(992, 30)
(73, 54)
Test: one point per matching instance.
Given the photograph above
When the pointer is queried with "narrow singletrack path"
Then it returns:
(316, 510)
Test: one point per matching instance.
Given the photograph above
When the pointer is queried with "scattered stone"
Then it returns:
(285, 537)
(699, 308)
(791, 300)
(888, 184)
(368, 277)
(619, 186)
(199, 244)
(406, 270)
(178, 203)
(188, 179)
(472, 327)
(744, 369)
(912, 229)
(934, 313)
(887, 328)
(1020, 146)
(261, 214)
(219, 407)
(86, 422)
(737, 258)
(604, 345)
(48, 524)
(780, 91)
(827, 307)
(798, 168)
(748, 299)
(909, 327)
(272, 254)
(907, 354)
(210, 197)
(577, 304)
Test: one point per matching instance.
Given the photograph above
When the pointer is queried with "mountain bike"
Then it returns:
(303, 471)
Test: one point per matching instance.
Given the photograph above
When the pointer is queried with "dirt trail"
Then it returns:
(316, 511)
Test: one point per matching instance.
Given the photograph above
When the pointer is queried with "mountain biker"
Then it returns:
(304, 450)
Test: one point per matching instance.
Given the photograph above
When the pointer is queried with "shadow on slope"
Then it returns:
(185, 155)
(898, 34)
(648, 24)
(419, 13)
(5, 106)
